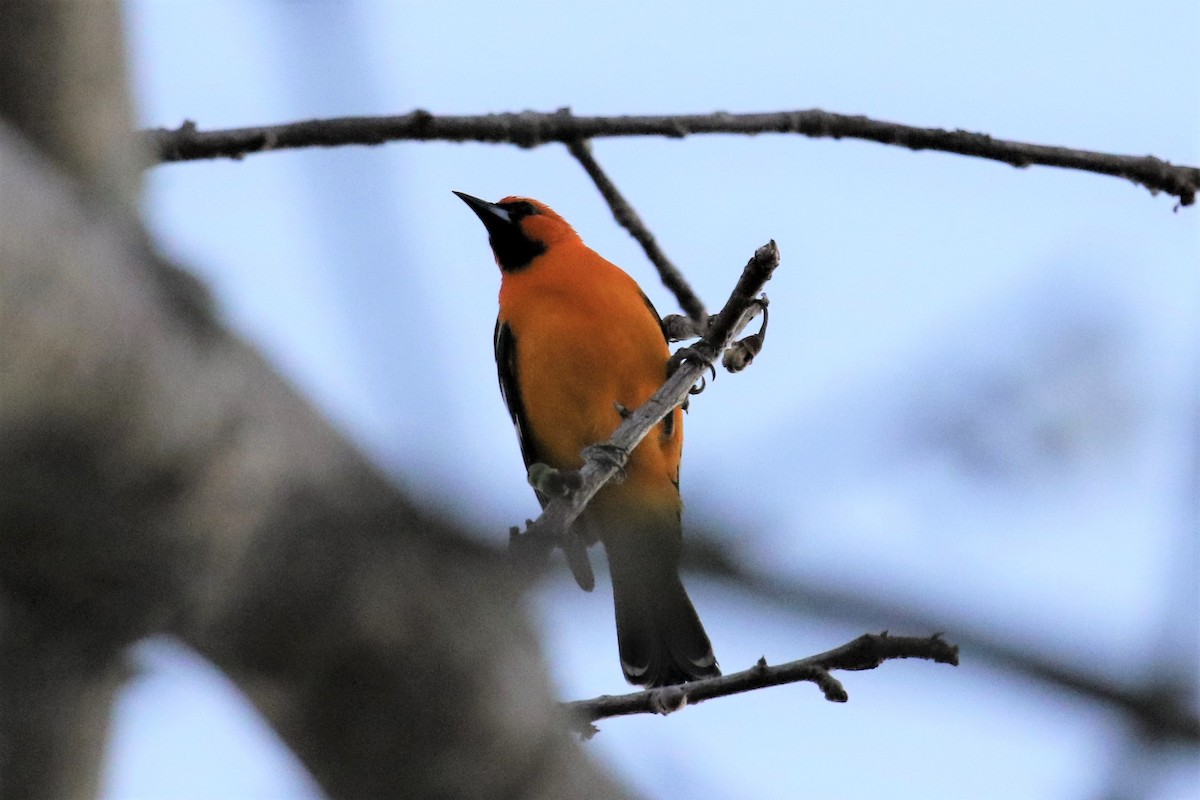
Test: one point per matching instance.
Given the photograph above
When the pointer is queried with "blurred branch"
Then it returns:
(531, 129)
(628, 219)
(54, 713)
(63, 86)
(866, 652)
(62, 89)
(159, 476)
(1160, 710)
(602, 462)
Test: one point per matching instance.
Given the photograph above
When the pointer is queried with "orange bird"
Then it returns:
(577, 340)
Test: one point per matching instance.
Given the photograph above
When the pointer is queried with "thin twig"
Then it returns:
(1167, 714)
(603, 462)
(628, 219)
(866, 652)
(530, 129)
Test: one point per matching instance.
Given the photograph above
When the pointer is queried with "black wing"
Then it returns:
(668, 423)
(654, 313)
(505, 345)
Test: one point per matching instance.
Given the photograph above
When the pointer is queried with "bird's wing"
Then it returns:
(668, 423)
(505, 345)
(654, 313)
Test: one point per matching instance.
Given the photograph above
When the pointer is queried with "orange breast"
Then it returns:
(586, 340)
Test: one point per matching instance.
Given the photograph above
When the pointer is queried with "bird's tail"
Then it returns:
(659, 635)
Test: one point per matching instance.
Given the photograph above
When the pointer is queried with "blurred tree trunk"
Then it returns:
(159, 477)
(63, 86)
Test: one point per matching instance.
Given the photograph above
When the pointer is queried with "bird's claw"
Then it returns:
(550, 482)
(701, 352)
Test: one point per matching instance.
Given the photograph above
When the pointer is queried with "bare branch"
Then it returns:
(531, 129)
(866, 652)
(672, 278)
(604, 461)
(62, 85)
(1162, 710)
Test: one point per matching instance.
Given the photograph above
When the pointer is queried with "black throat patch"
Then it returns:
(514, 250)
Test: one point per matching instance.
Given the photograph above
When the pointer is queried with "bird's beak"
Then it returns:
(493, 217)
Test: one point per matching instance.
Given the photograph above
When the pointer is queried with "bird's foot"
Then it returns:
(678, 327)
(701, 352)
(550, 482)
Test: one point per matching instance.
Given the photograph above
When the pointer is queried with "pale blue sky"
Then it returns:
(978, 393)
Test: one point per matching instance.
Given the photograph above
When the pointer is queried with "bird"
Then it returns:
(577, 345)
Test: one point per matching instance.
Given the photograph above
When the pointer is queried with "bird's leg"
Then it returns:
(678, 327)
(550, 482)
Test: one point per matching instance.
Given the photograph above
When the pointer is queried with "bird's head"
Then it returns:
(519, 229)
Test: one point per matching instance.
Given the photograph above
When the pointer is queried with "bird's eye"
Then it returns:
(522, 209)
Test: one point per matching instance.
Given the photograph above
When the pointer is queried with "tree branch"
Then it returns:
(1163, 710)
(531, 129)
(602, 462)
(866, 652)
(628, 219)
(62, 86)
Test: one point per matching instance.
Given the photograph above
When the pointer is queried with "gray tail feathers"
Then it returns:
(659, 635)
